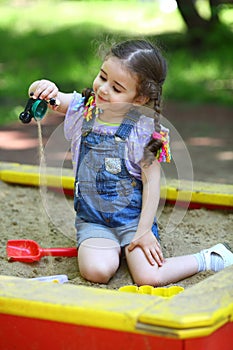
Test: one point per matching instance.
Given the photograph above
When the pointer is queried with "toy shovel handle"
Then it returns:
(59, 251)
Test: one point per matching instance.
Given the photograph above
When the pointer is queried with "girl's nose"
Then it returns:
(104, 89)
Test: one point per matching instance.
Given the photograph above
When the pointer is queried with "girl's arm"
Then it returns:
(45, 89)
(144, 236)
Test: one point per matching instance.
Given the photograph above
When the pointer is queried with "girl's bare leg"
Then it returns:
(172, 270)
(98, 259)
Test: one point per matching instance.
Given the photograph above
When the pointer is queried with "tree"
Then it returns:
(197, 26)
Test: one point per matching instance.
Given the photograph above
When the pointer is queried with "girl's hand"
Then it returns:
(150, 246)
(43, 89)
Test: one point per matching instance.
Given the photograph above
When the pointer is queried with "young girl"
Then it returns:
(117, 147)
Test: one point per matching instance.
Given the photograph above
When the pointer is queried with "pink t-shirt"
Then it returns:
(138, 139)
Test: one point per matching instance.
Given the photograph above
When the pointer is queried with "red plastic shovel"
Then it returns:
(26, 250)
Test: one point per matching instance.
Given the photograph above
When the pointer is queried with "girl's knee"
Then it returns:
(97, 273)
(100, 264)
(141, 271)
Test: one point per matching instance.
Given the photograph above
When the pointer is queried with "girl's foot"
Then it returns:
(218, 257)
(215, 258)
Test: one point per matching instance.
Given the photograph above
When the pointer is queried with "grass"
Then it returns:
(58, 40)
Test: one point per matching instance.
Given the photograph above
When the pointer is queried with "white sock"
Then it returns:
(216, 262)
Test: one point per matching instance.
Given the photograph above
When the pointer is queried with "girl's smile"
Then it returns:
(101, 99)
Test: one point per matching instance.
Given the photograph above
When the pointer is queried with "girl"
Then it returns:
(117, 147)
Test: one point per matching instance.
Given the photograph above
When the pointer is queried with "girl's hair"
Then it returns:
(146, 61)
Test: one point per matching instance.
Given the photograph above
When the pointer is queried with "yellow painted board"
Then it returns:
(177, 333)
(196, 312)
(37, 179)
(35, 176)
(8, 166)
(198, 309)
(34, 169)
(72, 304)
(180, 190)
(198, 192)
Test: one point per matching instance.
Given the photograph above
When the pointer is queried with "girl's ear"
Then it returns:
(141, 100)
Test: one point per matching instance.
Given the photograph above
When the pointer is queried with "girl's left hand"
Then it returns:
(150, 246)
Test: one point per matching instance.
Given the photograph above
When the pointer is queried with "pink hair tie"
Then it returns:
(156, 135)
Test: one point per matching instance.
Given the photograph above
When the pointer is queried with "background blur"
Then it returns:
(59, 40)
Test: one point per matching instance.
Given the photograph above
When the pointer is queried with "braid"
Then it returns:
(154, 145)
(87, 93)
(145, 60)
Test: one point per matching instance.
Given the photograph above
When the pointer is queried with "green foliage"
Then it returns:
(201, 74)
(40, 42)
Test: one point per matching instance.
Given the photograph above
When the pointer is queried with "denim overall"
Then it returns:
(105, 192)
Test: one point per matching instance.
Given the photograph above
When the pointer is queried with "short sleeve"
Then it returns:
(73, 119)
(73, 125)
(139, 138)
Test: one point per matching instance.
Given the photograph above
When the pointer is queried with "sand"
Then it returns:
(48, 218)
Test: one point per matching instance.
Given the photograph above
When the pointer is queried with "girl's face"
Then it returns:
(115, 84)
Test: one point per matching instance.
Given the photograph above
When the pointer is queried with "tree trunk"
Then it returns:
(190, 15)
(197, 26)
(214, 7)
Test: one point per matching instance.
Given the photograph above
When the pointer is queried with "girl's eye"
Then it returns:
(116, 90)
(103, 78)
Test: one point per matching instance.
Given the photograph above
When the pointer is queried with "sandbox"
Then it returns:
(36, 315)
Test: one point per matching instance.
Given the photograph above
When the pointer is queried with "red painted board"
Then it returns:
(221, 339)
(22, 333)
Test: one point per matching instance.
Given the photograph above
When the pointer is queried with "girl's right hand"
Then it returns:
(43, 89)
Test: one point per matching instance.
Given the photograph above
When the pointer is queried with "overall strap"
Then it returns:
(127, 124)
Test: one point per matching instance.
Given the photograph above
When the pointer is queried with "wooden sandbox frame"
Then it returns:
(42, 315)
